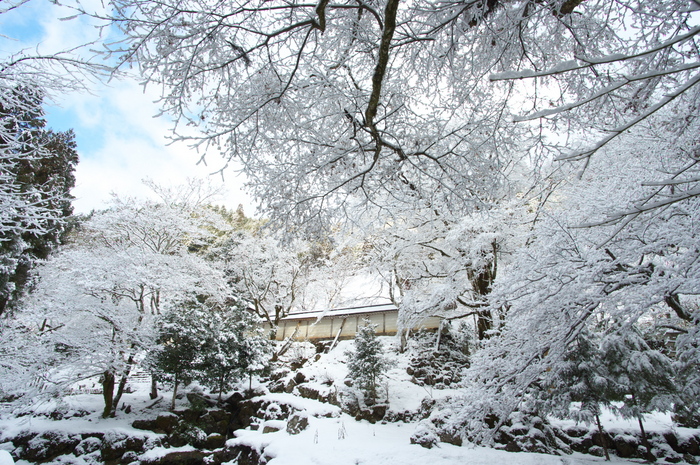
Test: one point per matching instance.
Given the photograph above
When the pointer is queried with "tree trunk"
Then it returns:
(122, 385)
(221, 386)
(154, 388)
(107, 392)
(175, 385)
(650, 457)
(484, 324)
(602, 437)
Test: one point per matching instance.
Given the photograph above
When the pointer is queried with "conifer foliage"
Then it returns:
(212, 344)
(367, 364)
(36, 175)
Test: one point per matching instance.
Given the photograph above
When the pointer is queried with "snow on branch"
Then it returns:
(620, 129)
(588, 62)
(604, 91)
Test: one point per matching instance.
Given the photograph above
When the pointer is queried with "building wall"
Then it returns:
(329, 327)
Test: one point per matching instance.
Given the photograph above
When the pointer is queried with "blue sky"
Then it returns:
(119, 141)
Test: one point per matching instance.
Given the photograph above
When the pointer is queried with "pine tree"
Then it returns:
(37, 172)
(234, 347)
(686, 409)
(580, 388)
(179, 341)
(367, 364)
(643, 375)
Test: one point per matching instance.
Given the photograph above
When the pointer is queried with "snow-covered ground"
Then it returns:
(332, 437)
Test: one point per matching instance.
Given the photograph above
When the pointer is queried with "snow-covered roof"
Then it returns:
(378, 308)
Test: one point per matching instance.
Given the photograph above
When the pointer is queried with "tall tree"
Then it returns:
(332, 104)
(124, 266)
(572, 275)
(35, 201)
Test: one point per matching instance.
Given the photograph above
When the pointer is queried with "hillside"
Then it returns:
(292, 428)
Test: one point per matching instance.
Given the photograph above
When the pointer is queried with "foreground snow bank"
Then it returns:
(343, 441)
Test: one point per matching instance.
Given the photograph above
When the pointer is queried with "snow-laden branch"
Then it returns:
(588, 62)
(606, 90)
(615, 132)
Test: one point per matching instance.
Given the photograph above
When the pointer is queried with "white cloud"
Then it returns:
(133, 146)
(119, 141)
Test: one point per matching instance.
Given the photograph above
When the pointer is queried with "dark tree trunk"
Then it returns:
(107, 392)
(154, 388)
(602, 437)
(484, 324)
(645, 441)
(122, 385)
(221, 386)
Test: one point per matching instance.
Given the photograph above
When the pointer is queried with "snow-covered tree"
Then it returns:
(266, 273)
(643, 376)
(36, 175)
(178, 342)
(581, 388)
(36, 164)
(102, 292)
(324, 104)
(573, 275)
(234, 347)
(367, 363)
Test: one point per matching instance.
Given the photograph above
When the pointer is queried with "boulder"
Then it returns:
(308, 392)
(214, 441)
(273, 426)
(289, 387)
(148, 425)
(199, 401)
(300, 378)
(115, 445)
(214, 421)
(278, 374)
(576, 431)
(193, 457)
(88, 446)
(672, 440)
(278, 386)
(690, 445)
(166, 423)
(23, 438)
(239, 454)
(626, 446)
(297, 423)
(424, 436)
(49, 445)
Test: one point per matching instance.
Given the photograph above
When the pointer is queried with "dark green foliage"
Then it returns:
(686, 408)
(179, 340)
(213, 344)
(644, 376)
(367, 364)
(37, 167)
(234, 347)
(581, 387)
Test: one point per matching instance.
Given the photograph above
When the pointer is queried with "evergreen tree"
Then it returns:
(234, 346)
(366, 364)
(686, 409)
(37, 169)
(179, 336)
(580, 389)
(643, 375)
